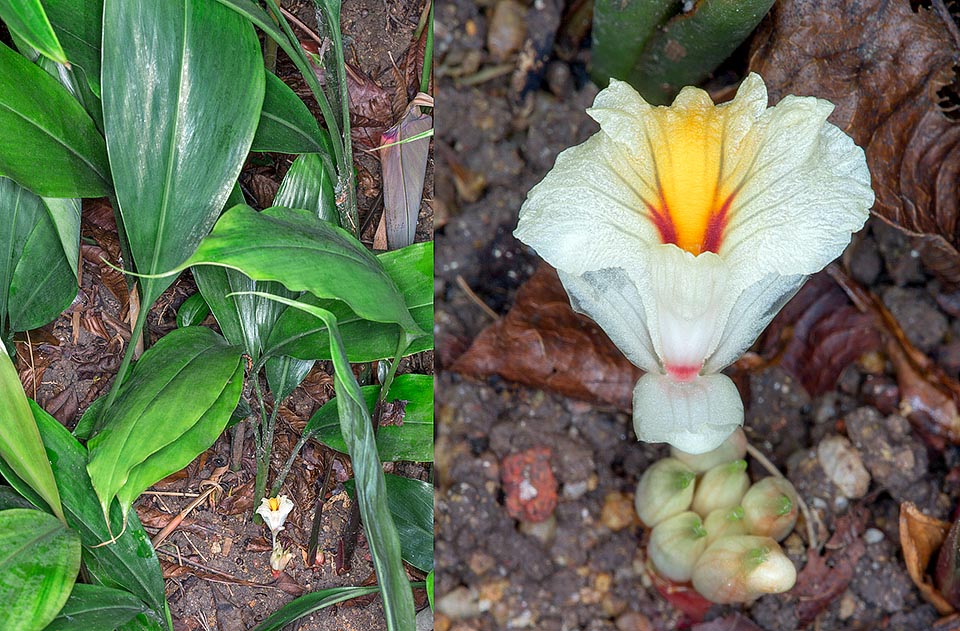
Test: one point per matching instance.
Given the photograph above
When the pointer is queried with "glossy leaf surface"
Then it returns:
(301, 335)
(28, 20)
(413, 440)
(293, 247)
(97, 608)
(411, 506)
(170, 390)
(78, 24)
(309, 603)
(182, 87)
(37, 281)
(43, 124)
(39, 561)
(192, 311)
(21, 447)
(286, 125)
(308, 184)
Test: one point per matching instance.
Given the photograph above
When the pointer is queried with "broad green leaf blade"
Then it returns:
(97, 608)
(411, 441)
(20, 445)
(39, 561)
(129, 563)
(411, 505)
(309, 185)
(293, 247)
(245, 320)
(285, 373)
(169, 390)
(430, 580)
(9, 498)
(357, 430)
(404, 168)
(620, 31)
(182, 89)
(286, 125)
(78, 25)
(65, 214)
(309, 603)
(37, 281)
(299, 334)
(192, 311)
(43, 124)
(188, 446)
(27, 19)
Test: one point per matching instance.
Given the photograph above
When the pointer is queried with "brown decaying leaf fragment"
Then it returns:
(920, 538)
(543, 343)
(404, 168)
(826, 576)
(885, 66)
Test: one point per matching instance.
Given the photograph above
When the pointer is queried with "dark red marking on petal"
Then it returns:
(663, 222)
(716, 224)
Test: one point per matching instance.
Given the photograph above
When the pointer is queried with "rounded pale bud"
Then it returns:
(676, 544)
(721, 487)
(724, 522)
(665, 489)
(733, 448)
(770, 508)
(742, 568)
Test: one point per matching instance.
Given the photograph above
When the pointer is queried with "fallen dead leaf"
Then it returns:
(543, 343)
(920, 538)
(891, 69)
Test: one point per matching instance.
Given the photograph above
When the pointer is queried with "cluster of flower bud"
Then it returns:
(712, 527)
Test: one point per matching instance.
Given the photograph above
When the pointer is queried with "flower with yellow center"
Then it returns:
(683, 230)
(274, 511)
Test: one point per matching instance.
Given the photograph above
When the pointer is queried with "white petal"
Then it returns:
(694, 416)
(804, 188)
(751, 314)
(611, 299)
(691, 300)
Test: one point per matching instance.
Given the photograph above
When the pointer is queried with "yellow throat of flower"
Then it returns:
(274, 504)
(692, 207)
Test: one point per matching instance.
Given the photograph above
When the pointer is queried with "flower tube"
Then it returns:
(683, 230)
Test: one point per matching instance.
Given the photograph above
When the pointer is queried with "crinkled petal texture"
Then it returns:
(682, 231)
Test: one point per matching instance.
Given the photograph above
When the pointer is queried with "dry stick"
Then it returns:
(476, 299)
(214, 575)
(809, 517)
(170, 527)
(318, 512)
(303, 27)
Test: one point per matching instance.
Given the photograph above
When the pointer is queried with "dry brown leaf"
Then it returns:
(920, 538)
(888, 68)
(543, 343)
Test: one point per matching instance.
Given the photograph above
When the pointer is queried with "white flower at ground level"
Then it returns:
(279, 559)
(274, 511)
(683, 230)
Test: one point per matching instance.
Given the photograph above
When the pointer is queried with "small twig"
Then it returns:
(170, 527)
(476, 299)
(170, 493)
(809, 517)
(487, 74)
(313, 543)
(214, 575)
(236, 445)
(303, 27)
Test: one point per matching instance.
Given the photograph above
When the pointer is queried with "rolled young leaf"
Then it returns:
(20, 445)
(39, 561)
(191, 367)
(43, 124)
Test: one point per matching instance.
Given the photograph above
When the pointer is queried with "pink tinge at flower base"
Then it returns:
(683, 230)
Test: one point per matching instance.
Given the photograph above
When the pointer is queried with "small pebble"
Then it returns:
(633, 621)
(848, 605)
(873, 535)
(844, 466)
(618, 511)
(507, 29)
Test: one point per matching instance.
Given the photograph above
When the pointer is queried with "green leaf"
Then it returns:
(43, 124)
(78, 25)
(128, 563)
(168, 394)
(411, 506)
(309, 603)
(27, 19)
(20, 445)
(97, 608)
(411, 441)
(357, 430)
(192, 311)
(620, 31)
(286, 125)
(299, 334)
(65, 214)
(308, 184)
(9, 498)
(293, 247)
(182, 87)
(37, 281)
(39, 561)
(430, 580)
(285, 373)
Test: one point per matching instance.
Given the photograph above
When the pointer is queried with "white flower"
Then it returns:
(274, 511)
(683, 230)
